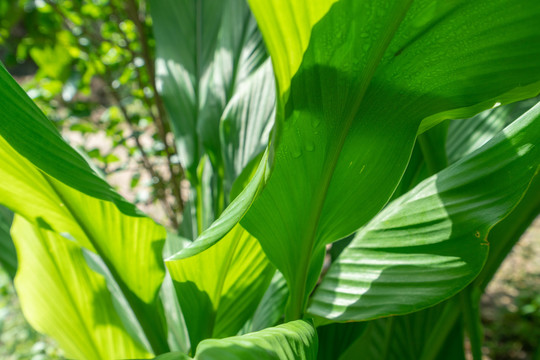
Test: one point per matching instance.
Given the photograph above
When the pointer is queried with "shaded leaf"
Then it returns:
(8, 255)
(199, 75)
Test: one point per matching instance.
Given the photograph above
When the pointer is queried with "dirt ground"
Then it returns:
(511, 304)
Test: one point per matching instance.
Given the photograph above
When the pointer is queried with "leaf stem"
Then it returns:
(469, 307)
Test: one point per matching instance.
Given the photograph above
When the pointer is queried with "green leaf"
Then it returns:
(8, 255)
(22, 120)
(177, 355)
(247, 121)
(293, 340)
(335, 339)
(50, 185)
(393, 66)
(443, 339)
(230, 217)
(68, 301)
(272, 306)
(427, 245)
(220, 287)
(220, 50)
(411, 337)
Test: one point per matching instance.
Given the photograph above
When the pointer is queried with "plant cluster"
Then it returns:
(337, 205)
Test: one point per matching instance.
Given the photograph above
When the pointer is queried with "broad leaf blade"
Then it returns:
(292, 340)
(22, 124)
(393, 66)
(430, 243)
(68, 301)
(50, 185)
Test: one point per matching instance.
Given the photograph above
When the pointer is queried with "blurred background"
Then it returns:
(89, 65)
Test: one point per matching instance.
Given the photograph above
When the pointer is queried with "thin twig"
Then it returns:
(162, 189)
(133, 13)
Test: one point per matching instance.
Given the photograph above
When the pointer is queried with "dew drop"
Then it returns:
(296, 153)
(310, 146)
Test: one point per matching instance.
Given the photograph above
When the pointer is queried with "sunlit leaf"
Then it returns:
(357, 81)
(61, 297)
(429, 244)
(52, 186)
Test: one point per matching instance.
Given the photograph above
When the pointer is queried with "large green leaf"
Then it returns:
(61, 297)
(292, 340)
(8, 255)
(34, 137)
(51, 185)
(442, 335)
(220, 287)
(430, 243)
(357, 80)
